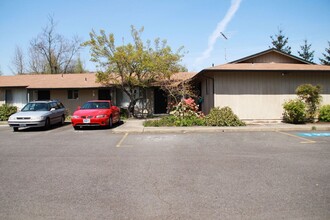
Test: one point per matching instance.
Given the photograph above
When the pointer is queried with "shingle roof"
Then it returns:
(60, 81)
(182, 76)
(50, 81)
(270, 67)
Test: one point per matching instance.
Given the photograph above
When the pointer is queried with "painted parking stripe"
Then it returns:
(122, 139)
(303, 140)
(314, 134)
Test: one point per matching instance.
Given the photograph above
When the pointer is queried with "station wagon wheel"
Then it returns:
(47, 123)
(15, 129)
(62, 120)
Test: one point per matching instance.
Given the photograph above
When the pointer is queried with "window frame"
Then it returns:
(73, 94)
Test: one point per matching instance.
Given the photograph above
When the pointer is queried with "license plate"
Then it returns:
(22, 125)
(86, 120)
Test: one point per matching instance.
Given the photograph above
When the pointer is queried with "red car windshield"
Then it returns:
(95, 105)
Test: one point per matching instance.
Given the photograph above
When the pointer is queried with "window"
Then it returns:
(8, 96)
(72, 94)
(54, 105)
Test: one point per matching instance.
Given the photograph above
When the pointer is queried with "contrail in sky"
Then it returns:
(220, 28)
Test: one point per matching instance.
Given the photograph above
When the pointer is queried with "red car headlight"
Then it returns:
(101, 116)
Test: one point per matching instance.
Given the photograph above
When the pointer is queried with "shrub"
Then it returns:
(324, 114)
(165, 121)
(6, 111)
(190, 121)
(222, 117)
(172, 120)
(185, 108)
(311, 96)
(294, 111)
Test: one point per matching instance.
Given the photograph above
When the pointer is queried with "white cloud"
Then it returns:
(220, 28)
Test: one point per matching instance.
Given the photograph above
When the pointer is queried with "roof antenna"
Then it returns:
(225, 37)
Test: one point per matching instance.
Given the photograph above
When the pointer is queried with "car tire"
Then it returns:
(47, 124)
(15, 129)
(62, 120)
(110, 122)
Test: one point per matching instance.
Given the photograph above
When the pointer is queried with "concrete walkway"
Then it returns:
(136, 126)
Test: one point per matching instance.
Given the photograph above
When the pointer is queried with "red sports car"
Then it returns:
(95, 113)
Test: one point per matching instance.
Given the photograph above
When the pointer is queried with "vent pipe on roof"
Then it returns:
(86, 79)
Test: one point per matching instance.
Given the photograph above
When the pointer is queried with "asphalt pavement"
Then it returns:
(62, 173)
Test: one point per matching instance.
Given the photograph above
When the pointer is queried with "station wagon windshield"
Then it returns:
(36, 107)
(95, 105)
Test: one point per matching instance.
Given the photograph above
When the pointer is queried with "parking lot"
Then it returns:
(61, 173)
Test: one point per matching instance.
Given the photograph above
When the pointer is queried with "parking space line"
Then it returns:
(303, 140)
(121, 140)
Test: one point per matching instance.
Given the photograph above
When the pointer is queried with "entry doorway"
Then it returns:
(104, 94)
(43, 95)
(160, 98)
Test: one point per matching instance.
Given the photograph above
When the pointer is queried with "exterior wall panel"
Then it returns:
(271, 58)
(17, 97)
(260, 95)
(72, 104)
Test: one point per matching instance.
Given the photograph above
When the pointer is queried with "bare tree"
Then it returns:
(18, 64)
(37, 64)
(54, 49)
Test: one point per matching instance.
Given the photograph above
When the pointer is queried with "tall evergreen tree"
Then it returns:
(79, 67)
(279, 41)
(306, 52)
(326, 60)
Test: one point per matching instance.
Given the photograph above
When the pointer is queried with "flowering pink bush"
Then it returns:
(186, 108)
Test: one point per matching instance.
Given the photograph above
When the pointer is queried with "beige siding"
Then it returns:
(271, 58)
(260, 95)
(18, 97)
(84, 95)
(22, 96)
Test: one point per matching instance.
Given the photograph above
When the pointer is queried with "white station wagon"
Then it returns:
(38, 114)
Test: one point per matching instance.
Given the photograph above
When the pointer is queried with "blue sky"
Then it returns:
(180, 22)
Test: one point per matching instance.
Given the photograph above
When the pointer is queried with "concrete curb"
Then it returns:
(127, 127)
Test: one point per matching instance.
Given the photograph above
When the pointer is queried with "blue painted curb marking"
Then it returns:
(314, 134)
